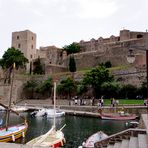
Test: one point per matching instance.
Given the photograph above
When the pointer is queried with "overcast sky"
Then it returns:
(61, 22)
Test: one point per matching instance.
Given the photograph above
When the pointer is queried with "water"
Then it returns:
(77, 129)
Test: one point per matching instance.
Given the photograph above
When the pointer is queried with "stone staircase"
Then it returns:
(130, 138)
(133, 142)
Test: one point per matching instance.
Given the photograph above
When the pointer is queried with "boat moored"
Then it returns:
(93, 139)
(13, 132)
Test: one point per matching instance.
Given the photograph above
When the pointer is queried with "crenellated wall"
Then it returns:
(114, 49)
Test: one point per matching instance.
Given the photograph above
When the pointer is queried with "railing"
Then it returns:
(126, 134)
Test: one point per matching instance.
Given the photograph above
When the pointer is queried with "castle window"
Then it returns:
(19, 46)
(31, 56)
(17, 37)
(139, 36)
(31, 46)
(32, 37)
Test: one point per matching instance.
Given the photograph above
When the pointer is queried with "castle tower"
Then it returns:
(124, 35)
(25, 41)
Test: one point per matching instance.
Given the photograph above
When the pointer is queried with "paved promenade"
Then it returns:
(81, 110)
(12, 145)
(48, 102)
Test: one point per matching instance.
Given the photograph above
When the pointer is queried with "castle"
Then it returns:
(114, 49)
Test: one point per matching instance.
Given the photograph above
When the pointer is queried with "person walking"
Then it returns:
(102, 101)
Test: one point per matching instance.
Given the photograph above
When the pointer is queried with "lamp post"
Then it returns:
(130, 57)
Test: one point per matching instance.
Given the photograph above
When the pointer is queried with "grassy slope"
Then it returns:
(125, 101)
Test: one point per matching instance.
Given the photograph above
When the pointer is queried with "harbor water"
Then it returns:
(77, 129)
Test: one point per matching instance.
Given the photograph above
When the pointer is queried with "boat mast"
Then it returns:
(10, 98)
(54, 97)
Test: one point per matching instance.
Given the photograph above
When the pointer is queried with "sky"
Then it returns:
(61, 22)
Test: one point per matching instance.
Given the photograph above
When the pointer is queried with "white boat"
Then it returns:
(93, 139)
(132, 124)
(58, 113)
(39, 113)
(19, 108)
(53, 138)
(48, 113)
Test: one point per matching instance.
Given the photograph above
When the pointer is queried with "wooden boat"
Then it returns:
(93, 139)
(118, 116)
(11, 133)
(53, 138)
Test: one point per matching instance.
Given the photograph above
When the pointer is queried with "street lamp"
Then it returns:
(130, 57)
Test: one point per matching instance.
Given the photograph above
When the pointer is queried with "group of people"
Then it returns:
(77, 101)
(113, 102)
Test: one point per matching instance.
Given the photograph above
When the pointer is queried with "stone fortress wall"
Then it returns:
(93, 52)
(114, 49)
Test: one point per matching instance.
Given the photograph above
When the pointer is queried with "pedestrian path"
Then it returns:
(12, 145)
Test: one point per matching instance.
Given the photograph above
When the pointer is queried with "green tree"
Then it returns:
(66, 87)
(72, 48)
(96, 77)
(110, 89)
(11, 56)
(128, 91)
(30, 88)
(45, 87)
(72, 64)
(38, 67)
(81, 89)
(108, 64)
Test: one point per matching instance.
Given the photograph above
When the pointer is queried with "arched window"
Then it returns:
(139, 36)
(19, 45)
